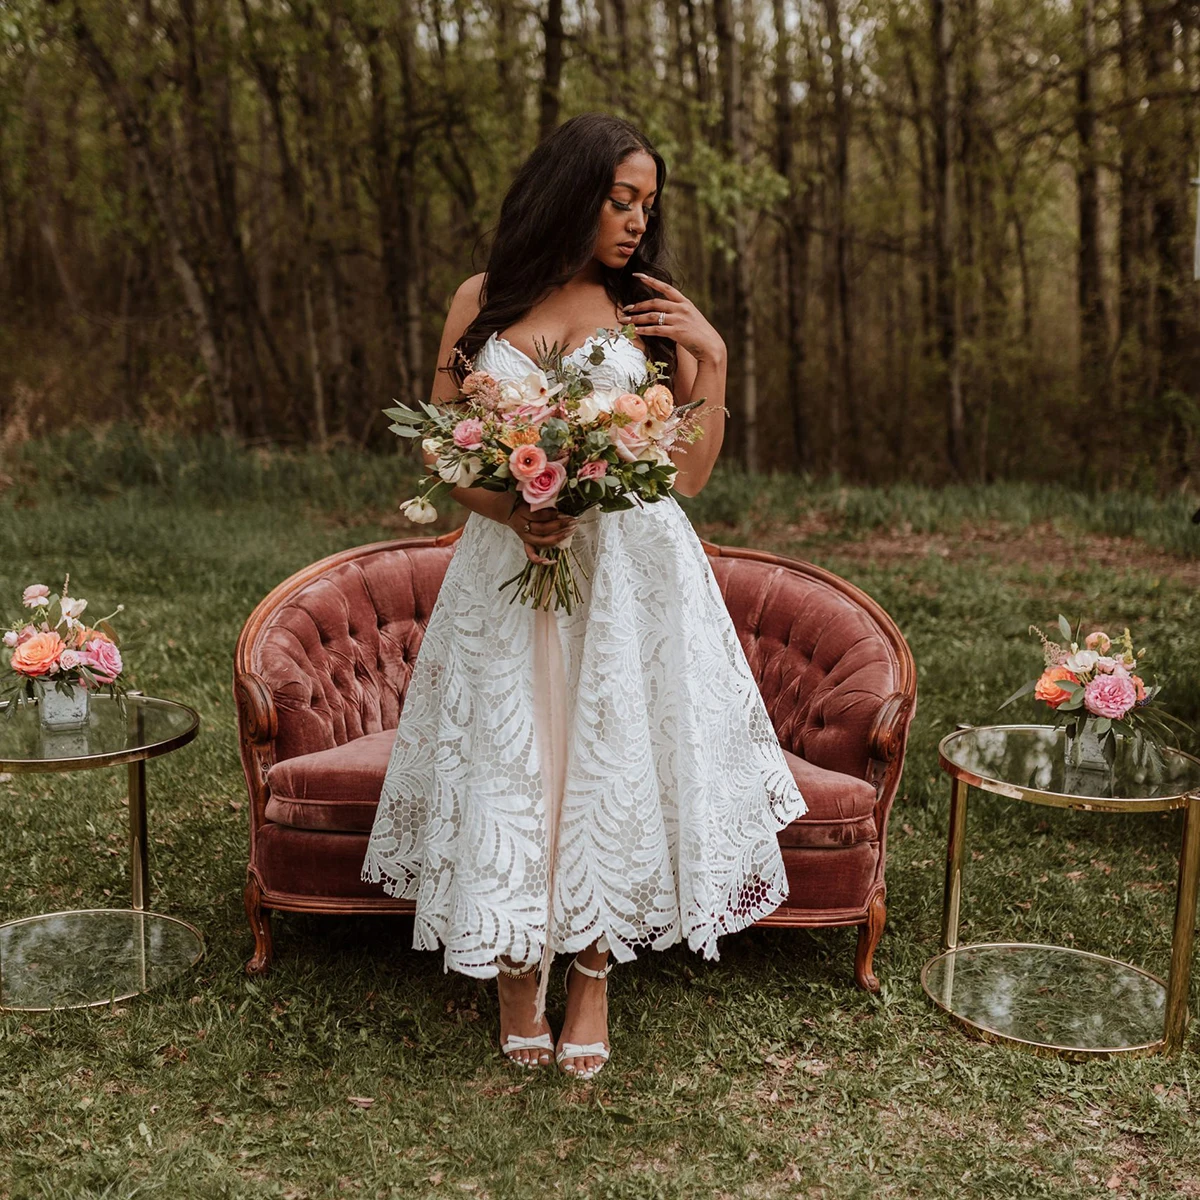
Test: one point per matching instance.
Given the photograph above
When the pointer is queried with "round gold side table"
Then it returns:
(96, 956)
(1053, 999)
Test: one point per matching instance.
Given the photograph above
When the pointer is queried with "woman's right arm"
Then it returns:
(547, 526)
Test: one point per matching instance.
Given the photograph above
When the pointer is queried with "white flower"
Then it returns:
(654, 428)
(10, 638)
(1081, 660)
(72, 608)
(463, 471)
(657, 454)
(431, 445)
(419, 511)
(595, 403)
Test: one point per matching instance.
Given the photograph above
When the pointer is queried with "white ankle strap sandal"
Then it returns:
(516, 1041)
(593, 1049)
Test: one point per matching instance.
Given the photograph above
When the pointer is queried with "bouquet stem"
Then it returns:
(548, 585)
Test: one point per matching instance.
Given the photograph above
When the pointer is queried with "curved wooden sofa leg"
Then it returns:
(868, 938)
(260, 925)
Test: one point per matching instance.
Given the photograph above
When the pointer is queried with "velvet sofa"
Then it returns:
(323, 662)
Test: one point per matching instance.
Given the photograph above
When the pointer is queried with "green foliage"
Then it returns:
(764, 1073)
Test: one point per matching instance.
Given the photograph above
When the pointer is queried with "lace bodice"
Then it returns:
(624, 365)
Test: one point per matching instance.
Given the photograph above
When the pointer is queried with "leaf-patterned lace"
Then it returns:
(676, 783)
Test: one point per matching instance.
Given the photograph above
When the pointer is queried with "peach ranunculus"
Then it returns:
(1098, 641)
(543, 489)
(527, 462)
(631, 405)
(1139, 683)
(596, 469)
(38, 655)
(1049, 691)
(36, 595)
(104, 659)
(659, 401)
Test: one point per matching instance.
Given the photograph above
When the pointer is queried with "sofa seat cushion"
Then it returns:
(841, 808)
(338, 791)
(335, 790)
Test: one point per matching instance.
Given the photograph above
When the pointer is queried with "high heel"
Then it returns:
(593, 1049)
(516, 1041)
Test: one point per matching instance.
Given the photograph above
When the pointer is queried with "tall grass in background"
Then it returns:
(211, 470)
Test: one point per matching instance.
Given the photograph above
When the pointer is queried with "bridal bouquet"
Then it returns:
(53, 646)
(1096, 687)
(557, 440)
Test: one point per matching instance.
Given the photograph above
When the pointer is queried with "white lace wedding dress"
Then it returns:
(656, 780)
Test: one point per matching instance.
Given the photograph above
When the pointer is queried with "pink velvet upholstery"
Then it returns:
(322, 665)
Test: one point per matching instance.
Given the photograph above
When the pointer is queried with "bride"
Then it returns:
(591, 782)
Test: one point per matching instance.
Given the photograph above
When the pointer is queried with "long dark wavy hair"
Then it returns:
(548, 225)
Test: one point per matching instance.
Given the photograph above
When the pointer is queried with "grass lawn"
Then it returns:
(766, 1074)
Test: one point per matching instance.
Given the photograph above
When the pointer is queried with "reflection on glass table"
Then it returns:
(1049, 997)
(80, 959)
(71, 960)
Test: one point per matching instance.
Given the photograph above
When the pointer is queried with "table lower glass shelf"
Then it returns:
(1049, 998)
(91, 957)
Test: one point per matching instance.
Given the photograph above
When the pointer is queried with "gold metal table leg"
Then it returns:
(139, 861)
(1185, 928)
(955, 845)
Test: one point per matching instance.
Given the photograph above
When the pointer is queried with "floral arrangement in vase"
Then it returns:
(53, 646)
(1096, 688)
(557, 440)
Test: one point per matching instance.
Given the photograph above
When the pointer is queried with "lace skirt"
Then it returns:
(560, 778)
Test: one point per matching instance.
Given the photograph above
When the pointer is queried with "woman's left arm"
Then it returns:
(702, 360)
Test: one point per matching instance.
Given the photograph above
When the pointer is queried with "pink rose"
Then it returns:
(1110, 695)
(542, 491)
(1107, 665)
(68, 660)
(527, 462)
(468, 434)
(593, 470)
(103, 658)
(35, 593)
(631, 442)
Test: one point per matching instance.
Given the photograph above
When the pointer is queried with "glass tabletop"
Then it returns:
(1049, 997)
(1028, 762)
(90, 957)
(149, 727)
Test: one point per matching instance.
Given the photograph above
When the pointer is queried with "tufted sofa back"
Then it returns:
(336, 651)
(337, 654)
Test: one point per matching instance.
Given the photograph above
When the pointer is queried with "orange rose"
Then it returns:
(38, 655)
(659, 401)
(1049, 691)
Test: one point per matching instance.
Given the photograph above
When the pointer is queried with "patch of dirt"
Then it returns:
(1037, 546)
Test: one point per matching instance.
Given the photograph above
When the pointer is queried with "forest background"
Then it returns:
(944, 240)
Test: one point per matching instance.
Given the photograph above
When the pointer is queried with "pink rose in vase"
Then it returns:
(103, 658)
(1110, 696)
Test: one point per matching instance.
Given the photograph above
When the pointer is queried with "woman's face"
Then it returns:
(624, 214)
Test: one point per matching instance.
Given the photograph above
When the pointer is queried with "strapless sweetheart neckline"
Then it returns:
(592, 337)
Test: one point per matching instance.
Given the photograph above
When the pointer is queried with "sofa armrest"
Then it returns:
(889, 730)
(257, 716)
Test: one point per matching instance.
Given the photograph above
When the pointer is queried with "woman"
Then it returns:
(610, 776)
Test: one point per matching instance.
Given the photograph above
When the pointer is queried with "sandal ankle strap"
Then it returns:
(608, 966)
(505, 969)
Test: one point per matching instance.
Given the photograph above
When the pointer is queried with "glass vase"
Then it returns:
(1083, 747)
(56, 711)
